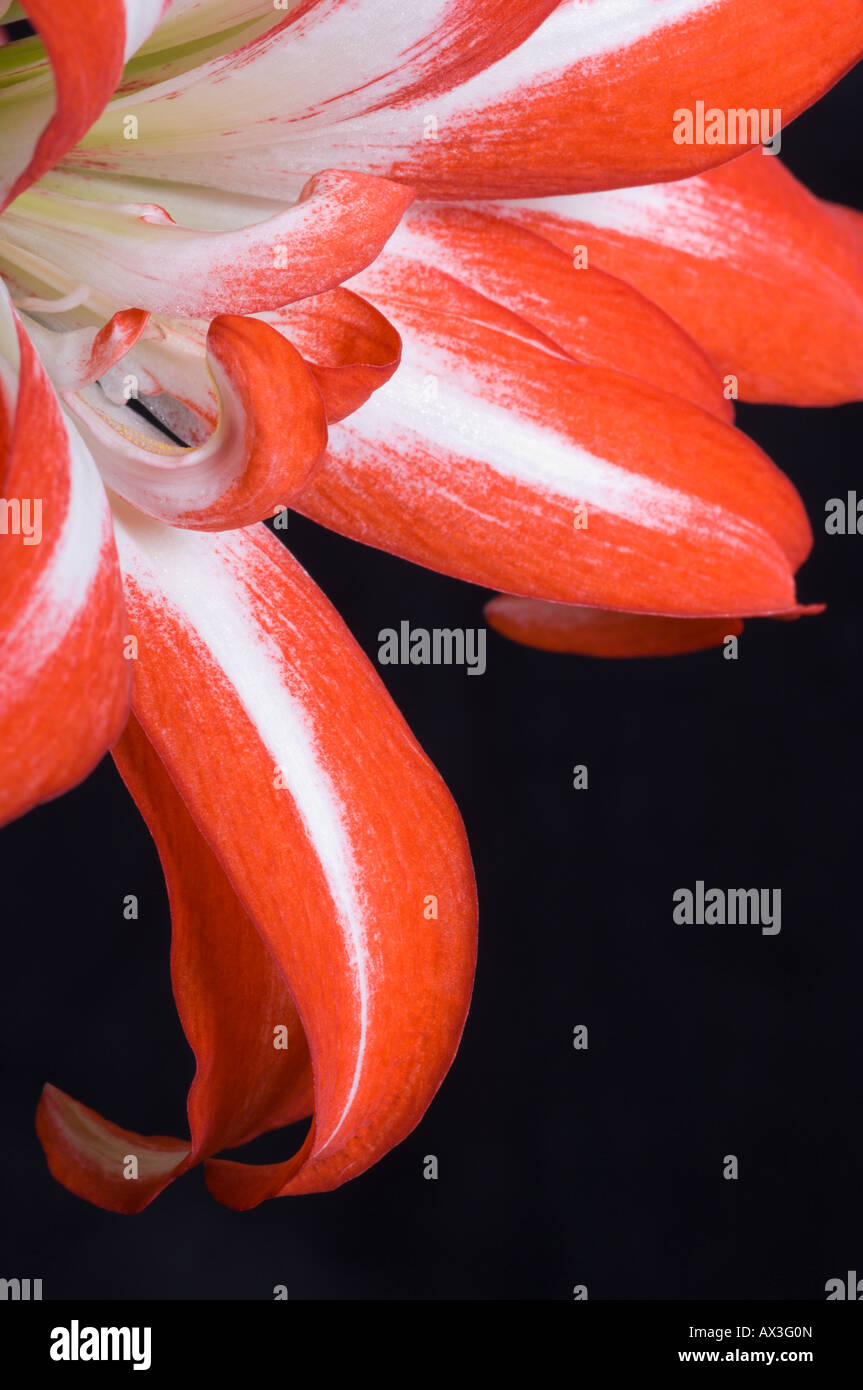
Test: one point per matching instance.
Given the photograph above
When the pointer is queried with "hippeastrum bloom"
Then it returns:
(441, 277)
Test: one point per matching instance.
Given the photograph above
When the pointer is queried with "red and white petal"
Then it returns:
(333, 828)
(593, 317)
(250, 118)
(45, 114)
(135, 252)
(560, 627)
(502, 100)
(270, 437)
(493, 459)
(64, 686)
(589, 99)
(768, 278)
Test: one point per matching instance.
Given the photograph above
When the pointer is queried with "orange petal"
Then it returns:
(765, 276)
(338, 838)
(558, 627)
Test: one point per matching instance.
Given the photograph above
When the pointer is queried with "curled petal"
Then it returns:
(270, 437)
(64, 686)
(62, 96)
(136, 252)
(768, 278)
(233, 1004)
(560, 627)
(351, 348)
(337, 837)
(493, 458)
(168, 371)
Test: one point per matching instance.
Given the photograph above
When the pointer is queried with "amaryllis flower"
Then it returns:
(441, 277)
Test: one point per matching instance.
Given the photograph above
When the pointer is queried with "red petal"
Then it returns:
(558, 627)
(463, 98)
(249, 119)
(333, 829)
(64, 686)
(230, 998)
(77, 357)
(589, 100)
(765, 276)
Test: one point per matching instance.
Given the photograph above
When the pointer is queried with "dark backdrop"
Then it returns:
(557, 1167)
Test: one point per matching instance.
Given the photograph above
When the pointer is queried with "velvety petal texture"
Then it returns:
(351, 348)
(342, 846)
(64, 685)
(593, 317)
(326, 65)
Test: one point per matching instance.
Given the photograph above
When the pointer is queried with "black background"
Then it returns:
(557, 1167)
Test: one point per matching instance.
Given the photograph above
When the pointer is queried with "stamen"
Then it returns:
(73, 300)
